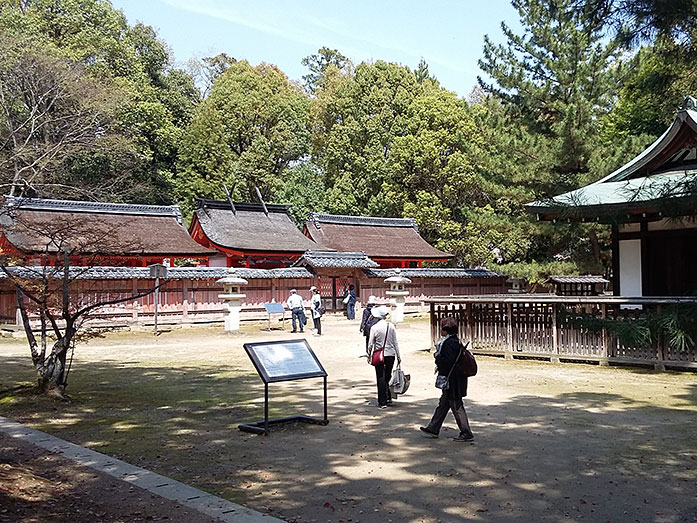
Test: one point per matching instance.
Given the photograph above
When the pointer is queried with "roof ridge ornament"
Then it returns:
(688, 104)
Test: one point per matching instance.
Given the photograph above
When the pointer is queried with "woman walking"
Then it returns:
(447, 356)
(383, 335)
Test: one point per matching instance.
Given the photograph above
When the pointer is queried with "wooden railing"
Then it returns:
(557, 327)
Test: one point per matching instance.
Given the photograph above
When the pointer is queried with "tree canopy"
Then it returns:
(579, 89)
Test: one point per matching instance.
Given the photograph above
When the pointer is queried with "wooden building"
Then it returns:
(252, 235)
(37, 231)
(651, 204)
(390, 242)
(588, 285)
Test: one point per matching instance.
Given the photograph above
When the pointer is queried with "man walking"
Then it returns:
(295, 304)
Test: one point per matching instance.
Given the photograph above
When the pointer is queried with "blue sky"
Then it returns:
(448, 34)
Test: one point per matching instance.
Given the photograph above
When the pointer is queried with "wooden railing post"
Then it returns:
(605, 357)
(555, 335)
(470, 327)
(509, 332)
(660, 364)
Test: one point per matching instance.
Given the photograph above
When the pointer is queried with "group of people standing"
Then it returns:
(297, 308)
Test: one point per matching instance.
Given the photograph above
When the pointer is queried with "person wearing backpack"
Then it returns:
(447, 357)
(368, 320)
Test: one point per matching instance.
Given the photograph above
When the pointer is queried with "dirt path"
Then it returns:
(553, 442)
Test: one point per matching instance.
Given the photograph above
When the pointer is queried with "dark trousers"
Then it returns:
(318, 325)
(298, 313)
(457, 407)
(351, 310)
(383, 373)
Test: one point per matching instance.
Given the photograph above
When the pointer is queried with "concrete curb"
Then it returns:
(162, 486)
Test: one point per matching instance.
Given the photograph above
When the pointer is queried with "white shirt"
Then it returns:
(294, 301)
(377, 338)
(316, 299)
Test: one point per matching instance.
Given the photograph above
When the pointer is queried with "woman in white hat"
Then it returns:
(317, 310)
(383, 335)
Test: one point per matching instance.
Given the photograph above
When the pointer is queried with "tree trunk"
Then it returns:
(52, 373)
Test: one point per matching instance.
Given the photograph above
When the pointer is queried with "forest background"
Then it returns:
(93, 108)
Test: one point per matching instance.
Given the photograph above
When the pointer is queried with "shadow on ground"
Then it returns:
(575, 455)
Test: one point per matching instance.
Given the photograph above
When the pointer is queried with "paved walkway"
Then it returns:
(162, 486)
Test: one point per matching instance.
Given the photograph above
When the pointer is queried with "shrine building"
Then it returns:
(35, 231)
(650, 204)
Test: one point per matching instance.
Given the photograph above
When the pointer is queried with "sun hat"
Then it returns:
(372, 300)
(293, 291)
(380, 312)
(313, 288)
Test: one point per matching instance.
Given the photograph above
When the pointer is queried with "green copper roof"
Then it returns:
(666, 169)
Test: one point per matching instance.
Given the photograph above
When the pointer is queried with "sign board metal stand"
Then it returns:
(284, 361)
(275, 308)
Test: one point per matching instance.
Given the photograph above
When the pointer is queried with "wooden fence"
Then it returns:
(559, 328)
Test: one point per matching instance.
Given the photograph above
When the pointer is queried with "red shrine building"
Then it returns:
(37, 231)
(389, 242)
(251, 235)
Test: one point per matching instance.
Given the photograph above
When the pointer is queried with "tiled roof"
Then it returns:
(357, 260)
(285, 272)
(143, 273)
(577, 279)
(318, 219)
(42, 204)
(377, 237)
(109, 229)
(250, 228)
(433, 273)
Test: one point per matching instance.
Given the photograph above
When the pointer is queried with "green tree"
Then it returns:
(246, 133)
(157, 99)
(319, 62)
(558, 79)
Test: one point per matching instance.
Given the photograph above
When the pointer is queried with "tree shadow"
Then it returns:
(576, 455)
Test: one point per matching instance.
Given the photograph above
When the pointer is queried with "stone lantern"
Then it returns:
(397, 294)
(233, 296)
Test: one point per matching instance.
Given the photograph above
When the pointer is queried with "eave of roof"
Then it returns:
(577, 279)
(456, 272)
(317, 219)
(143, 273)
(628, 189)
(44, 204)
(327, 259)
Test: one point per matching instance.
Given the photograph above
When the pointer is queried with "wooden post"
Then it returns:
(470, 327)
(185, 299)
(605, 358)
(660, 364)
(555, 335)
(509, 332)
(134, 286)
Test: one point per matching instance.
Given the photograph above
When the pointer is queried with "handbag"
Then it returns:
(399, 382)
(377, 357)
(443, 382)
(347, 298)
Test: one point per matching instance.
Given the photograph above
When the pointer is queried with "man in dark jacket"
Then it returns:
(451, 399)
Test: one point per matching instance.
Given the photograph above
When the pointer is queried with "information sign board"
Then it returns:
(284, 360)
